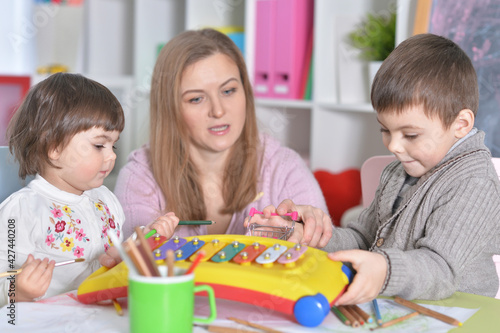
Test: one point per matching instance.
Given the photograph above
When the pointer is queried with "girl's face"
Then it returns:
(213, 104)
(84, 163)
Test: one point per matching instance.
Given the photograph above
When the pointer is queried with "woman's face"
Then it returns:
(213, 104)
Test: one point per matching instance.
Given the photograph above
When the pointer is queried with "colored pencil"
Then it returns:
(135, 257)
(196, 222)
(260, 327)
(377, 312)
(367, 318)
(222, 329)
(349, 316)
(195, 263)
(170, 262)
(146, 252)
(201, 222)
(341, 316)
(427, 311)
(61, 263)
(397, 320)
(123, 253)
(118, 307)
(355, 314)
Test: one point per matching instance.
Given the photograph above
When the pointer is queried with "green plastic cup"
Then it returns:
(165, 304)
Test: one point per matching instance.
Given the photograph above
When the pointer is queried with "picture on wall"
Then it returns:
(475, 26)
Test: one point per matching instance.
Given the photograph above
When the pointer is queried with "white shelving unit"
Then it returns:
(335, 131)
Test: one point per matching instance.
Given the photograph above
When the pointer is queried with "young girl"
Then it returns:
(64, 133)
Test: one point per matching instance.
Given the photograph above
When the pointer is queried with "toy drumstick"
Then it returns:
(294, 215)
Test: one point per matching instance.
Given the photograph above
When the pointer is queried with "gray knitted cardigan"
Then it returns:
(442, 237)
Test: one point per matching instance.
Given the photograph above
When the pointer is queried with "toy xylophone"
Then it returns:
(275, 274)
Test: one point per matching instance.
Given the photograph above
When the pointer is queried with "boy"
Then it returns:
(434, 223)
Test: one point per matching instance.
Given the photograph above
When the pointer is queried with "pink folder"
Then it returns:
(264, 47)
(294, 23)
(283, 44)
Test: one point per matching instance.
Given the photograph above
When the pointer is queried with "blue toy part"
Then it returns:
(188, 249)
(310, 311)
(347, 272)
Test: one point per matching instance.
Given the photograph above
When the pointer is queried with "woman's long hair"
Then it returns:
(173, 169)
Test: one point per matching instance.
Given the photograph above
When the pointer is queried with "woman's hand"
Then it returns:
(318, 227)
(34, 280)
(164, 225)
(316, 231)
(371, 271)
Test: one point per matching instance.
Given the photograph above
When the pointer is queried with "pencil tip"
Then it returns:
(79, 259)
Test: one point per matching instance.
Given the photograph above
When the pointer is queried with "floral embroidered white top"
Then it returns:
(42, 220)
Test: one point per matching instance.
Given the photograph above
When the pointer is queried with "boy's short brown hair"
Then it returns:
(53, 111)
(427, 70)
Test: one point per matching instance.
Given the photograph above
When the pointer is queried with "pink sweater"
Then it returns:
(284, 175)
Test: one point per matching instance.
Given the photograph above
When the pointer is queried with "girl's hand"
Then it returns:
(111, 258)
(164, 225)
(34, 280)
(371, 270)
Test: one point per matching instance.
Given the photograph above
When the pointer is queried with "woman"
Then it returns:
(205, 159)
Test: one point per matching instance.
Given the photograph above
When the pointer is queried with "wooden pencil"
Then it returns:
(260, 327)
(146, 253)
(222, 329)
(376, 309)
(195, 263)
(427, 311)
(355, 314)
(367, 318)
(348, 315)
(118, 307)
(397, 320)
(136, 258)
(196, 222)
(170, 262)
(341, 316)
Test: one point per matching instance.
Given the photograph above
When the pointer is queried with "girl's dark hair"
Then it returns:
(53, 111)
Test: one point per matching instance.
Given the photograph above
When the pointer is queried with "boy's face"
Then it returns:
(417, 141)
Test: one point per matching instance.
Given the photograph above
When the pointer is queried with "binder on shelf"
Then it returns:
(294, 22)
(264, 47)
(306, 73)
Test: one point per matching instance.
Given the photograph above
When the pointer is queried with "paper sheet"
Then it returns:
(64, 313)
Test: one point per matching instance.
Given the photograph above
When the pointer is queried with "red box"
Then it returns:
(12, 91)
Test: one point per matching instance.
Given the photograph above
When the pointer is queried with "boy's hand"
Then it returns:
(164, 225)
(371, 270)
(34, 280)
